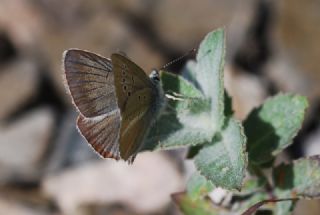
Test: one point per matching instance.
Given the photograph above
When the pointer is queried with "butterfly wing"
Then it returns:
(135, 97)
(136, 122)
(102, 132)
(90, 81)
(129, 78)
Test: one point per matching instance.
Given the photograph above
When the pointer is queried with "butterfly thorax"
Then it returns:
(159, 98)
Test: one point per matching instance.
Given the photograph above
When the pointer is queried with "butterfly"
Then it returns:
(117, 102)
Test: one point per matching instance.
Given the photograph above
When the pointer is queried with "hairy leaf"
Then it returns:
(198, 186)
(224, 161)
(271, 127)
(191, 206)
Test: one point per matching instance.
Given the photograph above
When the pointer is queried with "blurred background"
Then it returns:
(47, 168)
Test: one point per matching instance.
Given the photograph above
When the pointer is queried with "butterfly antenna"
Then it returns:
(179, 58)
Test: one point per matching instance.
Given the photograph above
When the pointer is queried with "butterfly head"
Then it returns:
(154, 76)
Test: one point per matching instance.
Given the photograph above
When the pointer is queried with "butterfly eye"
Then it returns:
(154, 75)
(139, 97)
(124, 87)
(123, 80)
(129, 94)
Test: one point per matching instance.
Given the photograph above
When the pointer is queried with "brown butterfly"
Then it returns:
(116, 100)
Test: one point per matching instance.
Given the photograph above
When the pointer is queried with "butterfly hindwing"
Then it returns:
(102, 133)
(90, 81)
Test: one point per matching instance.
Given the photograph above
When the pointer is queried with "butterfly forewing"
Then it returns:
(135, 122)
(129, 78)
(134, 91)
(90, 81)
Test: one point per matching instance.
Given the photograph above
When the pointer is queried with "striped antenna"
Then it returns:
(179, 58)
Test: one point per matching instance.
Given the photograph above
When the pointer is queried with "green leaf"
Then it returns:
(189, 73)
(298, 179)
(284, 208)
(195, 108)
(252, 185)
(253, 209)
(191, 206)
(224, 161)
(207, 74)
(241, 204)
(198, 186)
(271, 127)
(185, 121)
